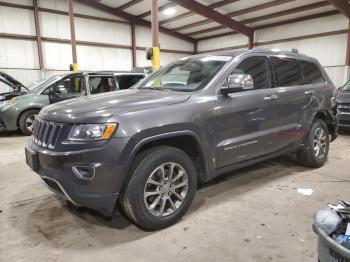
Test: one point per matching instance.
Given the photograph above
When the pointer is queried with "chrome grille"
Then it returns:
(45, 134)
(344, 107)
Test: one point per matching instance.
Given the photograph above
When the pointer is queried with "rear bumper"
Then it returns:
(56, 170)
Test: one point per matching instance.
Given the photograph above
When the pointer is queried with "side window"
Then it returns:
(312, 74)
(287, 72)
(257, 68)
(69, 87)
(102, 84)
(128, 81)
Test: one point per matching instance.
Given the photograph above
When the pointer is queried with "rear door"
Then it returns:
(293, 102)
(101, 84)
(246, 121)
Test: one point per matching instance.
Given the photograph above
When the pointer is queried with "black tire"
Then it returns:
(146, 163)
(22, 122)
(307, 156)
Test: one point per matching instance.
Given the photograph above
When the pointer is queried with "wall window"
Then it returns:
(312, 74)
(257, 68)
(287, 72)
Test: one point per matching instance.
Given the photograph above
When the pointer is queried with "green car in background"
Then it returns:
(20, 111)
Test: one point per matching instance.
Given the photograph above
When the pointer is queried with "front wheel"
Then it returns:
(161, 188)
(26, 121)
(316, 148)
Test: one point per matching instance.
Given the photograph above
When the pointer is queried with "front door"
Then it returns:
(72, 86)
(247, 120)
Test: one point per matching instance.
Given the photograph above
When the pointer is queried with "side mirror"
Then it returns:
(237, 83)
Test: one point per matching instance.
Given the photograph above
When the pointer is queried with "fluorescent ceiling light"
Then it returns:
(169, 11)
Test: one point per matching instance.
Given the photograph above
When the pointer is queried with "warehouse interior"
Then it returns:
(262, 212)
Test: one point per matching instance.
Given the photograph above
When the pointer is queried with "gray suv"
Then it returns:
(147, 148)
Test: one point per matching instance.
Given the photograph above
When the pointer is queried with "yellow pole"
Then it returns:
(156, 58)
(75, 67)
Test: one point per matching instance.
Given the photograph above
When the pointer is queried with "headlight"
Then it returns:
(92, 132)
(8, 102)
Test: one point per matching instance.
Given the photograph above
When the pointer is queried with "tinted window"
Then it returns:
(127, 81)
(257, 68)
(101, 84)
(287, 72)
(312, 75)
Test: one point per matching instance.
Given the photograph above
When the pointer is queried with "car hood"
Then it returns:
(10, 80)
(11, 83)
(343, 98)
(100, 108)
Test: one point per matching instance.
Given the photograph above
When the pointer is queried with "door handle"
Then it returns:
(309, 92)
(271, 98)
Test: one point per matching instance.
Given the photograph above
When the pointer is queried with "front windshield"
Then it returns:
(186, 75)
(346, 87)
(36, 85)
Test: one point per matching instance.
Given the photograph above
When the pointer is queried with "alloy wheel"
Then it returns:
(166, 189)
(320, 142)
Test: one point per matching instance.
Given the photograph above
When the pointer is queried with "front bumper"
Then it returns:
(56, 170)
(8, 120)
(344, 119)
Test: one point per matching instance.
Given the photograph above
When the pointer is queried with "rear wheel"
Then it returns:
(26, 121)
(161, 188)
(316, 148)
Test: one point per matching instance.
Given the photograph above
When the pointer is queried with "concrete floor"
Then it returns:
(254, 214)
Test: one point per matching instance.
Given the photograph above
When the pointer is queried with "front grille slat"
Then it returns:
(343, 107)
(45, 134)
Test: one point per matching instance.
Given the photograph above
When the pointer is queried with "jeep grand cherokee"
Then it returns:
(147, 148)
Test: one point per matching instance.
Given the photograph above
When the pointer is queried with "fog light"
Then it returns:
(84, 172)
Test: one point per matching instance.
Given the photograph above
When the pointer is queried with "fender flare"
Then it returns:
(135, 149)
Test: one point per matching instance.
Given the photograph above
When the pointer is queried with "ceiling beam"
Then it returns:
(190, 13)
(286, 22)
(209, 13)
(342, 6)
(236, 13)
(160, 9)
(128, 4)
(266, 17)
(132, 18)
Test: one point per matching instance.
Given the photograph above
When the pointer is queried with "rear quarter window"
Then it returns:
(312, 74)
(287, 72)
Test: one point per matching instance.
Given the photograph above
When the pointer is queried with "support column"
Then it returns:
(251, 41)
(347, 62)
(38, 37)
(155, 36)
(195, 48)
(133, 44)
(72, 32)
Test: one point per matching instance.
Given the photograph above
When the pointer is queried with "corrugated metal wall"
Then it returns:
(20, 57)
